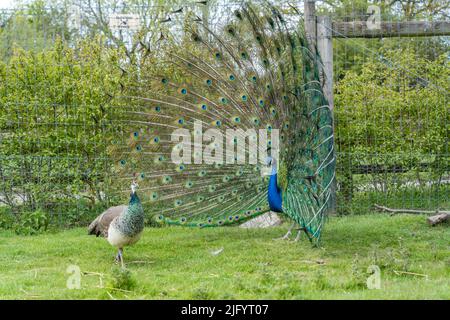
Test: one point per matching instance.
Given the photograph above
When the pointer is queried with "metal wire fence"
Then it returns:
(391, 109)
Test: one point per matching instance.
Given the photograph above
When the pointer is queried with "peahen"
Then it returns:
(249, 78)
(121, 225)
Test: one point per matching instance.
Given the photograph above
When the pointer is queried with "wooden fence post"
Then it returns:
(310, 24)
(325, 48)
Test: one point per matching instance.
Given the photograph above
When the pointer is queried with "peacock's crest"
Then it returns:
(200, 113)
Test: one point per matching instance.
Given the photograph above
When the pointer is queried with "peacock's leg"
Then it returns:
(299, 232)
(288, 233)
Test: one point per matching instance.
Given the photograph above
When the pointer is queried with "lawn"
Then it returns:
(178, 263)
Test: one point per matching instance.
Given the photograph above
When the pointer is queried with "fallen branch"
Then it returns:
(434, 220)
(439, 217)
(411, 211)
(410, 273)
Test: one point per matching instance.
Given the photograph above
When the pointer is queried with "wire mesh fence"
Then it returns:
(391, 120)
(59, 74)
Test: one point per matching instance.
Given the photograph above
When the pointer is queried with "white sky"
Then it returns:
(5, 4)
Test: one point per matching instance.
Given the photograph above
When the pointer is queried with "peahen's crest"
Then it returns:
(254, 76)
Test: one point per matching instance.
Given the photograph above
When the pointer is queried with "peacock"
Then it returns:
(223, 123)
(121, 225)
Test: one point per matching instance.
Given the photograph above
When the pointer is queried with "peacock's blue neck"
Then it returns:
(274, 193)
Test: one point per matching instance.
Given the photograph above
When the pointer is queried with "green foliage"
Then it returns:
(381, 107)
(389, 117)
(33, 26)
(122, 279)
(24, 223)
(7, 218)
(32, 223)
(56, 123)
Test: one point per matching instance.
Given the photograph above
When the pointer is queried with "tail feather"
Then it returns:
(256, 72)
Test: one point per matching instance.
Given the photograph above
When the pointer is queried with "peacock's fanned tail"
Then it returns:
(254, 72)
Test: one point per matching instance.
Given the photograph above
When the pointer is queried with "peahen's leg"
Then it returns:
(119, 257)
(288, 233)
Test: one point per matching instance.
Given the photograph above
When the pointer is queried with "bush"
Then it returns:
(122, 279)
(32, 223)
(7, 218)
(56, 112)
(391, 127)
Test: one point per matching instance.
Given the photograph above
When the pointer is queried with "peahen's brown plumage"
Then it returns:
(100, 225)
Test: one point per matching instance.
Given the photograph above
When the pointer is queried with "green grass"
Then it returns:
(176, 262)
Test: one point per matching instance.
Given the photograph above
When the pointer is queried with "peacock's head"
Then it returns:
(271, 161)
(134, 186)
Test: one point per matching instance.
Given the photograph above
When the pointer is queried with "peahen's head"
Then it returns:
(134, 186)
